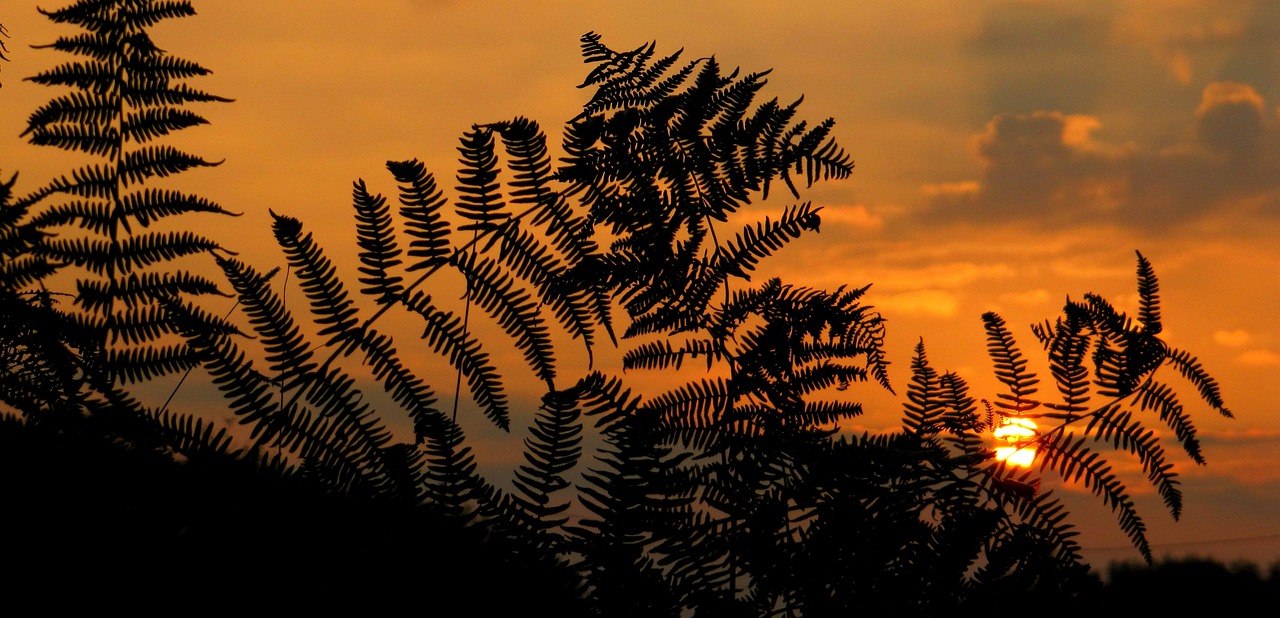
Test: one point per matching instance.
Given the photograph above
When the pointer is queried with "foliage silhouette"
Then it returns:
(729, 492)
(4, 49)
(125, 93)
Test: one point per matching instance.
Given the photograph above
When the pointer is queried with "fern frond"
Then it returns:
(551, 451)
(480, 200)
(286, 349)
(1191, 369)
(148, 124)
(161, 161)
(923, 410)
(1010, 366)
(698, 404)
(104, 141)
(447, 336)
(91, 181)
(151, 205)
(661, 355)
(1068, 344)
(139, 289)
(1118, 426)
(376, 239)
(1162, 399)
(514, 309)
(193, 437)
(766, 238)
(420, 205)
(1073, 460)
(139, 364)
(91, 76)
(405, 388)
(450, 477)
(330, 302)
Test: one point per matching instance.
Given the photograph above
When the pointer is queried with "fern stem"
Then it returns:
(466, 319)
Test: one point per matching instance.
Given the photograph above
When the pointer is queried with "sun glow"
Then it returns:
(1017, 438)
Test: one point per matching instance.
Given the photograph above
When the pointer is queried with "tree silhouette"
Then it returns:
(706, 473)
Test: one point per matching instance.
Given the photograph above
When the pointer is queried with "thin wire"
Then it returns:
(1184, 543)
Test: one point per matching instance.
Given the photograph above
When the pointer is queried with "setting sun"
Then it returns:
(1017, 437)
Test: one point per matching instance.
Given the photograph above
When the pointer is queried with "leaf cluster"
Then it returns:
(712, 472)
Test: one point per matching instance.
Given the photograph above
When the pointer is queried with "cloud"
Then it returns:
(1232, 338)
(1043, 55)
(1259, 358)
(1231, 118)
(933, 303)
(1043, 165)
(856, 216)
(1049, 169)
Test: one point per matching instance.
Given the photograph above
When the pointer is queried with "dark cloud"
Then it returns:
(1047, 168)
(1042, 56)
(1255, 56)
(1231, 119)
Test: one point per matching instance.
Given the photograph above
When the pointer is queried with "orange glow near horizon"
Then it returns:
(1017, 437)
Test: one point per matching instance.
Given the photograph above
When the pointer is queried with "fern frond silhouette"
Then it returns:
(712, 470)
(125, 93)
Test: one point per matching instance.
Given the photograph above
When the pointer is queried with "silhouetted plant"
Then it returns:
(4, 49)
(732, 492)
(125, 93)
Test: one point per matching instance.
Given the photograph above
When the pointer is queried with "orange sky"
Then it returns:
(1009, 154)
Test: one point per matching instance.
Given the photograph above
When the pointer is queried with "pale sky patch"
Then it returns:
(857, 216)
(1033, 298)
(934, 303)
(964, 187)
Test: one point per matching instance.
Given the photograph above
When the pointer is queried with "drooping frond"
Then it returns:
(1162, 399)
(405, 388)
(1069, 456)
(287, 351)
(1191, 369)
(1115, 425)
(551, 451)
(447, 336)
(514, 309)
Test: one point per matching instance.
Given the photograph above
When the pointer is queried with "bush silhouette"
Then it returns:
(728, 491)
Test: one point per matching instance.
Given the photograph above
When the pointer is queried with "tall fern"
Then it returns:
(125, 94)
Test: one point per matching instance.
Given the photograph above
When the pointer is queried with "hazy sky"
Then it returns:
(1009, 154)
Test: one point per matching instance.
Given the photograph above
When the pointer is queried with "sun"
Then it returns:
(1016, 439)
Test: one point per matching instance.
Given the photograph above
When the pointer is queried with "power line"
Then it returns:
(1186, 543)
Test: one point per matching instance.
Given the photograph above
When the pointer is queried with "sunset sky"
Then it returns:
(1009, 154)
